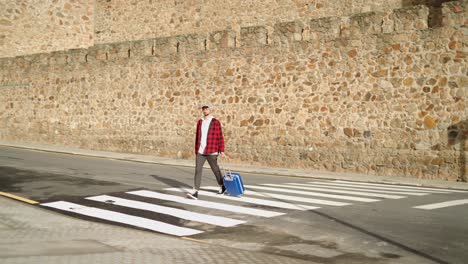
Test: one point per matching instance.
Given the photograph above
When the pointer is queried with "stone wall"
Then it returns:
(378, 93)
(123, 20)
(32, 26)
(28, 27)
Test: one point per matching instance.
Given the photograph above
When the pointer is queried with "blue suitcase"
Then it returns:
(233, 183)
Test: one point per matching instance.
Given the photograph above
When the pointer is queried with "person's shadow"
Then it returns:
(171, 182)
(457, 134)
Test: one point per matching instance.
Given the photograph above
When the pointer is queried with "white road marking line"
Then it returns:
(184, 214)
(388, 196)
(359, 188)
(285, 186)
(284, 205)
(401, 187)
(286, 197)
(123, 218)
(373, 188)
(207, 204)
(442, 205)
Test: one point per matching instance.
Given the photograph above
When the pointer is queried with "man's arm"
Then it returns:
(197, 137)
(221, 140)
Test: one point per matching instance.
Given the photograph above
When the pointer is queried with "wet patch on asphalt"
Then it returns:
(272, 242)
(43, 186)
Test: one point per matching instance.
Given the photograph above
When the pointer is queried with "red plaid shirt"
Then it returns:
(214, 140)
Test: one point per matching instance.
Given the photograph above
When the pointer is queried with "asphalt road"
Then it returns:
(385, 230)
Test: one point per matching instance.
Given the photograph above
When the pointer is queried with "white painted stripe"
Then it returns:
(285, 186)
(123, 218)
(244, 199)
(286, 197)
(328, 186)
(184, 214)
(388, 196)
(401, 187)
(207, 204)
(386, 189)
(442, 205)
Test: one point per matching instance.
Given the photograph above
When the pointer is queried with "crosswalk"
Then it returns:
(207, 204)
(184, 214)
(168, 211)
(122, 218)
(246, 199)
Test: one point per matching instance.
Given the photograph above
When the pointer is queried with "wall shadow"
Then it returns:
(171, 182)
(457, 134)
(429, 3)
(374, 234)
(435, 9)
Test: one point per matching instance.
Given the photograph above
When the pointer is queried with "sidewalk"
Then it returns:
(245, 168)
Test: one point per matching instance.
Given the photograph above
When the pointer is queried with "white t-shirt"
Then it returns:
(204, 134)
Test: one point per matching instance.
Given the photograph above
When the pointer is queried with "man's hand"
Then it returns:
(222, 154)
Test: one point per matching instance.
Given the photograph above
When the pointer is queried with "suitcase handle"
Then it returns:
(227, 172)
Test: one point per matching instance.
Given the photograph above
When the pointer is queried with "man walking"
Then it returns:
(209, 143)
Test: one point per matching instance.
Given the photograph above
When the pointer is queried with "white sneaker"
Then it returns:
(193, 196)
(222, 189)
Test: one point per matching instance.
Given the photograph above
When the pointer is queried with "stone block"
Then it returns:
(411, 18)
(97, 53)
(165, 46)
(454, 14)
(115, 51)
(6, 63)
(22, 62)
(142, 48)
(181, 44)
(222, 39)
(77, 55)
(388, 25)
(286, 33)
(254, 36)
(366, 23)
(190, 43)
(325, 28)
(58, 58)
(40, 59)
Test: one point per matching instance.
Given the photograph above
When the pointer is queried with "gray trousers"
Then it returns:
(213, 161)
